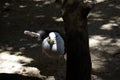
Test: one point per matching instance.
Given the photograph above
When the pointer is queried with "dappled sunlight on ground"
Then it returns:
(7, 56)
(108, 26)
(99, 40)
(22, 55)
(104, 37)
(16, 64)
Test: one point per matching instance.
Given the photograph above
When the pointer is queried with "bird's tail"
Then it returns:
(32, 34)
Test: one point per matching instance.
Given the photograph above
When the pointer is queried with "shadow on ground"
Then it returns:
(5, 76)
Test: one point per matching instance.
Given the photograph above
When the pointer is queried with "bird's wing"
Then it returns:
(60, 44)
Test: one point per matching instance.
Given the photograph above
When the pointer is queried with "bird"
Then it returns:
(53, 45)
(52, 42)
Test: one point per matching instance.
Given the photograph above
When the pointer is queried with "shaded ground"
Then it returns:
(20, 54)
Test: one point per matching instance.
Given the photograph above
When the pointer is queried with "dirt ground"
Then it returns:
(20, 55)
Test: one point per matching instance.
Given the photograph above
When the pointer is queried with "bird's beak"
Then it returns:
(51, 41)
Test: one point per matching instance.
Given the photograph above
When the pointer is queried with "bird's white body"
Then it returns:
(56, 48)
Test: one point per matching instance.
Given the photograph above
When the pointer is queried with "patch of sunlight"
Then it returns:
(16, 64)
(22, 6)
(108, 26)
(115, 20)
(95, 57)
(7, 66)
(37, 0)
(118, 20)
(40, 16)
(34, 45)
(22, 49)
(111, 5)
(112, 21)
(60, 19)
(6, 56)
(99, 1)
(95, 40)
(30, 71)
(18, 53)
(118, 7)
(47, 2)
(96, 65)
(96, 15)
(105, 42)
(7, 4)
(117, 43)
(98, 19)
(38, 5)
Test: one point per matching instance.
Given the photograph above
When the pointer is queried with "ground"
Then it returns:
(20, 54)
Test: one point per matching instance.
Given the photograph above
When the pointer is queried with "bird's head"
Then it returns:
(52, 37)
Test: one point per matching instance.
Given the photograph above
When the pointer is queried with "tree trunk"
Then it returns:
(77, 45)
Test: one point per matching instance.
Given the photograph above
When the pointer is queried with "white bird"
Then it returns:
(53, 45)
(52, 42)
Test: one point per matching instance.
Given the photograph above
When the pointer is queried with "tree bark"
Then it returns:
(77, 45)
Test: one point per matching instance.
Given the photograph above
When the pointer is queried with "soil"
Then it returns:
(21, 57)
